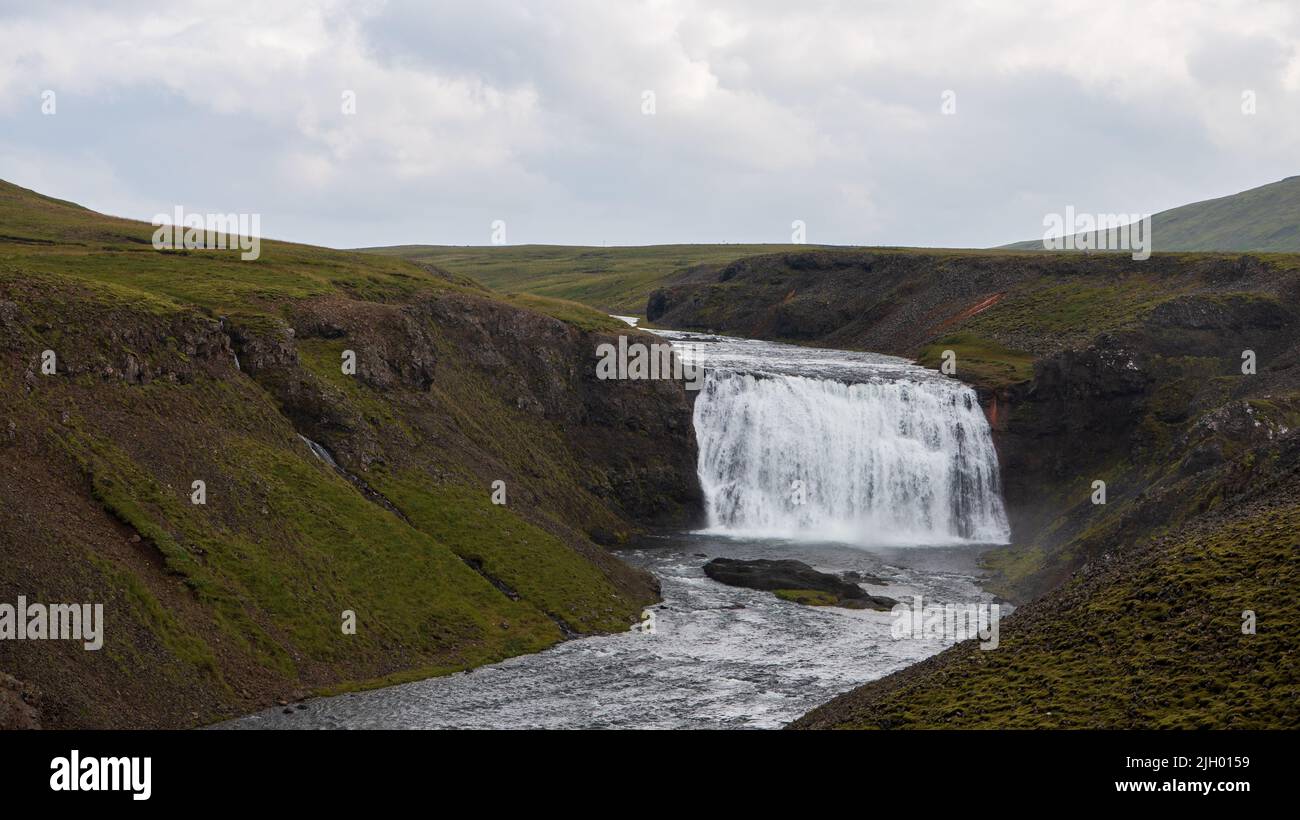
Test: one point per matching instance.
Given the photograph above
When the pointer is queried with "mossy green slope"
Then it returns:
(176, 367)
(614, 279)
(1149, 637)
(1263, 219)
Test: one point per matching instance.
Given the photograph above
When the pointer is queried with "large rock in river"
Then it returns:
(789, 574)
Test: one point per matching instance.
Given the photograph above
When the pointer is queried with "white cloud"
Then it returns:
(765, 112)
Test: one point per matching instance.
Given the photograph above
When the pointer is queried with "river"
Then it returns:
(850, 462)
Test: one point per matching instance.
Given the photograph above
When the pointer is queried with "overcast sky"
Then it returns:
(765, 112)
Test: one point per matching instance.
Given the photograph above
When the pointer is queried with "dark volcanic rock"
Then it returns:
(766, 574)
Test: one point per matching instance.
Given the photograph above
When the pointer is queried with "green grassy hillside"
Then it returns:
(1265, 219)
(1150, 639)
(616, 280)
(179, 366)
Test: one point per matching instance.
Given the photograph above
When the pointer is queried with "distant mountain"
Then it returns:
(1265, 219)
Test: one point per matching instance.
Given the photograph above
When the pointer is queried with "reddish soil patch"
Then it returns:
(975, 309)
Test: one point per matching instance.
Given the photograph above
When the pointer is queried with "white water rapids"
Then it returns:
(827, 445)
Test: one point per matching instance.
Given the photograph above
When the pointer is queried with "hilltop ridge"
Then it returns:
(1265, 219)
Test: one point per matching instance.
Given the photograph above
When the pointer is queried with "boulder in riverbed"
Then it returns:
(791, 576)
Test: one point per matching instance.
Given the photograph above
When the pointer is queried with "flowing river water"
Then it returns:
(850, 462)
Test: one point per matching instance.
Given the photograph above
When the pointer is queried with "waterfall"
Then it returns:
(900, 460)
(320, 452)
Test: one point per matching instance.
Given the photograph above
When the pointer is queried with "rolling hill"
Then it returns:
(616, 280)
(1263, 219)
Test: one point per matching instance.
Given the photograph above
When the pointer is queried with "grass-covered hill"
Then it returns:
(1091, 368)
(1264, 219)
(183, 366)
(616, 280)
(1149, 636)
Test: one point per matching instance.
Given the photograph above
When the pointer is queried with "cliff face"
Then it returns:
(327, 495)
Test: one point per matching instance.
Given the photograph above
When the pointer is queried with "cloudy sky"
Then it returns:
(764, 112)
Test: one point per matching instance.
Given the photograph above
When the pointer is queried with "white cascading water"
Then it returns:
(900, 458)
